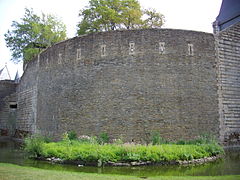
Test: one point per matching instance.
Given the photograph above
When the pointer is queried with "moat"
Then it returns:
(11, 152)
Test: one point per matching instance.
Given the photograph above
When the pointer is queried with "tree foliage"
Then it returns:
(33, 33)
(153, 18)
(106, 15)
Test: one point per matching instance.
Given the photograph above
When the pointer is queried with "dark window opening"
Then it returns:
(78, 53)
(103, 50)
(13, 106)
(190, 49)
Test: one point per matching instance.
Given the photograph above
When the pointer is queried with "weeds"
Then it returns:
(156, 139)
(72, 135)
(68, 136)
(87, 139)
(202, 139)
(97, 149)
(34, 145)
(103, 138)
(124, 153)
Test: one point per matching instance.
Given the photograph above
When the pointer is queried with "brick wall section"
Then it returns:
(7, 95)
(80, 87)
(228, 49)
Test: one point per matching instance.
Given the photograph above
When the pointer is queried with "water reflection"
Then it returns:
(10, 152)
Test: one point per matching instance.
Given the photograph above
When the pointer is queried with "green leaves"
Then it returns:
(88, 152)
(106, 15)
(100, 15)
(34, 145)
(153, 19)
(33, 29)
(131, 14)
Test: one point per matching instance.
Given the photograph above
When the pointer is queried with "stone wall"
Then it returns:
(125, 83)
(27, 98)
(7, 107)
(228, 51)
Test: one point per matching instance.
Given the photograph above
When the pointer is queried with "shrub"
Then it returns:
(207, 139)
(181, 142)
(87, 139)
(103, 138)
(34, 145)
(214, 149)
(69, 136)
(156, 139)
(72, 135)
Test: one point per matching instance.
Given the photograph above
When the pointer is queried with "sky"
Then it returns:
(195, 15)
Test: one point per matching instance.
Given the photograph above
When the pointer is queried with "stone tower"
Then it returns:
(227, 36)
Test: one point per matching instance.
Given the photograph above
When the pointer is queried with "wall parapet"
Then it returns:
(89, 50)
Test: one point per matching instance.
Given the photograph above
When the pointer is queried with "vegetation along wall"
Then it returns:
(125, 83)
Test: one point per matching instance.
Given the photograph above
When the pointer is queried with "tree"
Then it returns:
(153, 19)
(131, 14)
(32, 34)
(106, 15)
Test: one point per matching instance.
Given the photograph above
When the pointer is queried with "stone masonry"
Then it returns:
(132, 83)
(126, 83)
(228, 52)
(7, 107)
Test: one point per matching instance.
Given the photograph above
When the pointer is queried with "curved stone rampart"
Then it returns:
(126, 83)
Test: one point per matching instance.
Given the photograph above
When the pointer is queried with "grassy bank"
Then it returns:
(93, 152)
(14, 172)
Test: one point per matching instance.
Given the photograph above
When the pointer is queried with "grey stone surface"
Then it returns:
(228, 52)
(74, 85)
(7, 115)
(27, 98)
(130, 84)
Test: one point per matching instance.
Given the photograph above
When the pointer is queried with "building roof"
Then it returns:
(4, 73)
(17, 78)
(229, 14)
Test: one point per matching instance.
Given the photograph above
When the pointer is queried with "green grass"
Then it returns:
(93, 152)
(14, 172)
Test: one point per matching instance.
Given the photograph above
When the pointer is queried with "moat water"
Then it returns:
(11, 152)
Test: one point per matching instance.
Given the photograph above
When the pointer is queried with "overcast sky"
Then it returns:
(179, 14)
